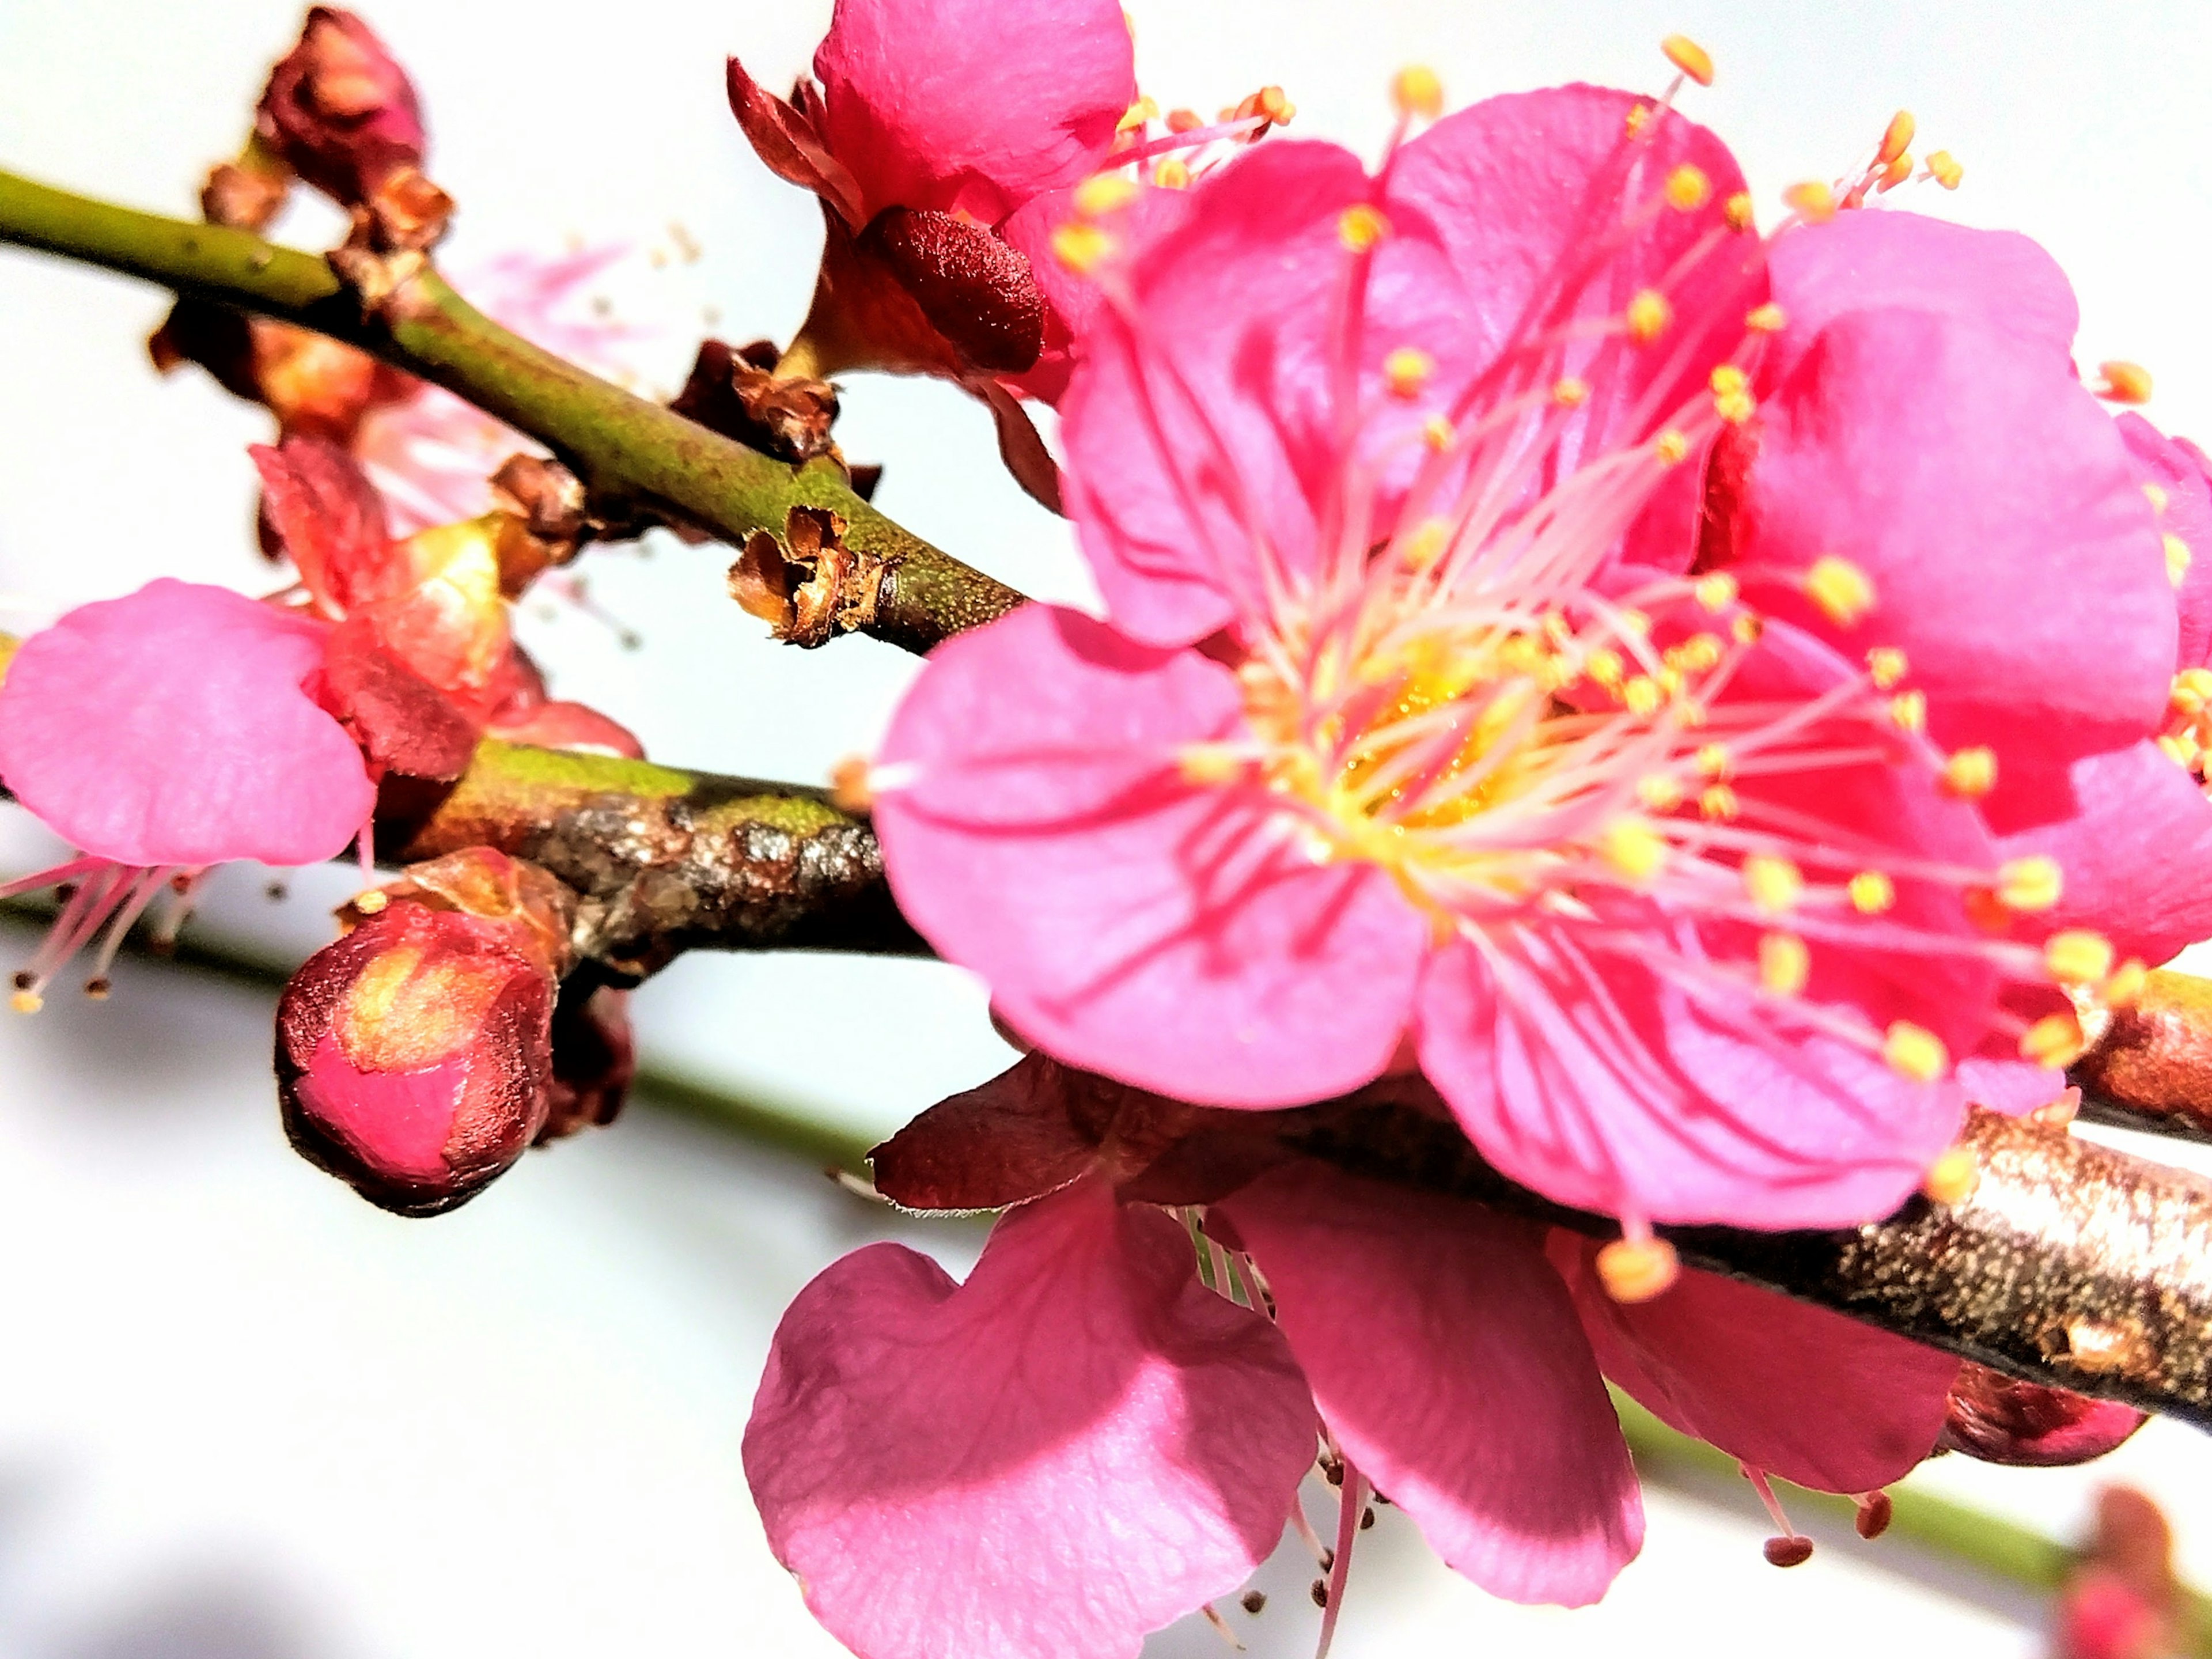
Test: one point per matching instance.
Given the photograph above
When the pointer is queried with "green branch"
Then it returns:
(626, 449)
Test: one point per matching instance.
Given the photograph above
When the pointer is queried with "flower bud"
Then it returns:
(1998, 1418)
(415, 1055)
(594, 1058)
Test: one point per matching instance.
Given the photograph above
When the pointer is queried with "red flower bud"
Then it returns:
(340, 110)
(2001, 1420)
(594, 1058)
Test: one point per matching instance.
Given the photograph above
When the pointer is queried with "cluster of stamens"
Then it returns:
(95, 895)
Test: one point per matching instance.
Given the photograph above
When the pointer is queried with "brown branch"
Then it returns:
(2149, 1064)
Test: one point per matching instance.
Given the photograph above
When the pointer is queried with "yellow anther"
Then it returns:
(1771, 882)
(1634, 848)
(370, 902)
(1769, 318)
(1688, 189)
(2177, 558)
(1784, 963)
(1727, 378)
(1670, 446)
(2054, 1040)
(1568, 392)
(1698, 654)
(1745, 628)
(1415, 90)
(1872, 892)
(1648, 315)
(1717, 590)
(1103, 193)
(1687, 56)
(1604, 666)
(2181, 748)
(1908, 711)
(1361, 228)
(1739, 211)
(1914, 1051)
(1944, 170)
(2075, 955)
(1735, 407)
(1894, 174)
(2125, 985)
(2196, 680)
(1812, 201)
(1886, 666)
(1842, 590)
(1637, 115)
(1970, 774)
(1187, 120)
(1712, 760)
(1134, 117)
(1637, 1269)
(26, 1002)
(1173, 173)
(1426, 543)
(1896, 139)
(2155, 494)
(2124, 382)
(1437, 432)
(2033, 883)
(1659, 790)
(1082, 247)
(1406, 370)
(1951, 1179)
(1276, 105)
(1206, 763)
(1641, 697)
(1718, 803)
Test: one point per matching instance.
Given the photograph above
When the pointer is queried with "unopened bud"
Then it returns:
(2001, 1420)
(340, 110)
(594, 1058)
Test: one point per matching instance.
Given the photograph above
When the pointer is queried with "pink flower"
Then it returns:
(1082, 1442)
(161, 733)
(1416, 734)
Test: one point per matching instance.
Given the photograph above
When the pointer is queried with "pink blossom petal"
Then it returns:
(2179, 469)
(1978, 485)
(1176, 936)
(1446, 1358)
(1795, 1390)
(1075, 1447)
(973, 105)
(1071, 300)
(169, 726)
(2136, 853)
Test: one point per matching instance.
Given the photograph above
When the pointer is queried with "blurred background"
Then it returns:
(244, 1416)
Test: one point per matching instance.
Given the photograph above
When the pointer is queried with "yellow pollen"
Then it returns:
(1172, 174)
(1951, 1179)
(2030, 884)
(370, 902)
(1896, 139)
(1894, 174)
(2054, 1040)
(1872, 892)
(2155, 494)
(2121, 989)
(26, 1002)
(1727, 378)
(2181, 748)
(1687, 56)
(1568, 392)
(1746, 630)
(1970, 774)
(2124, 382)
(1812, 201)
(1637, 115)
(1605, 665)
(1660, 792)
(1738, 210)
(1718, 803)
(1437, 432)
(1103, 193)
(1361, 228)
(1648, 315)
(2176, 558)
(1081, 247)
(2075, 955)
(1415, 90)
(1688, 189)
(1840, 588)
(1944, 170)
(1637, 1269)
(1784, 963)
(1670, 446)
(1769, 318)
(1426, 543)
(1406, 370)
(1771, 882)
(1134, 117)
(1205, 763)
(1634, 848)
(1908, 710)
(1733, 407)
(1915, 1052)
(1717, 590)
(1713, 761)
(1275, 104)
(1640, 697)
(1886, 666)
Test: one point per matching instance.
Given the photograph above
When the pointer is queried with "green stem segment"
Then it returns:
(627, 450)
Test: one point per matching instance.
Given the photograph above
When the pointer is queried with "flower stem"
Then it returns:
(626, 449)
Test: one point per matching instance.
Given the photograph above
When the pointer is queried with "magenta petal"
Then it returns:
(1078, 1446)
(2136, 853)
(1176, 936)
(973, 105)
(2179, 469)
(1446, 1358)
(169, 726)
(1798, 1391)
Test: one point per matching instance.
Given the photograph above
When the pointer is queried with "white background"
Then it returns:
(243, 1416)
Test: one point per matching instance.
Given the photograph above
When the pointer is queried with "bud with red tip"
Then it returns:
(415, 1055)
(1998, 1418)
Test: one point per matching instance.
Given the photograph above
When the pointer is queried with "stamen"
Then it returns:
(1717, 590)
(1133, 120)
(1082, 247)
(1908, 711)
(1772, 883)
(1874, 1508)
(1647, 316)
(2056, 1039)
(1886, 666)
(1688, 188)
(2123, 382)
(1951, 1179)
(2033, 883)
(1634, 1270)
(2121, 989)
(1769, 318)
(1172, 174)
(2176, 558)
(1739, 211)
(1361, 226)
(1406, 370)
(1842, 590)
(1944, 170)
(1634, 848)
(1790, 1548)
(1970, 774)
(1416, 91)
(1913, 1051)
(1221, 1627)
(1784, 963)
(1812, 201)
(2077, 956)
(1103, 193)
(1896, 139)
(1687, 56)
(1872, 892)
